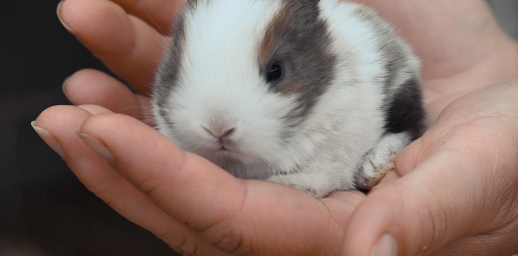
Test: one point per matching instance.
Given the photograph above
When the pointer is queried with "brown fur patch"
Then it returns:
(267, 46)
(289, 90)
(298, 39)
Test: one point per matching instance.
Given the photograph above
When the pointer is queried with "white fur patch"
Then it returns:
(220, 80)
(220, 85)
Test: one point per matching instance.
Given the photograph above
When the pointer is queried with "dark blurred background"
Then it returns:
(44, 209)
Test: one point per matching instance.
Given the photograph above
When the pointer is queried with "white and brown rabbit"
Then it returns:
(318, 95)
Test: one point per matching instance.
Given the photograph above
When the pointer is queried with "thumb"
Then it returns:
(457, 191)
(419, 213)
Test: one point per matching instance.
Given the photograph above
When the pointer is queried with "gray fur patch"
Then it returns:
(299, 40)
(168, 76)
(403, 105)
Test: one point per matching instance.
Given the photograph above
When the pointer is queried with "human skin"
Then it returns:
(454, 192)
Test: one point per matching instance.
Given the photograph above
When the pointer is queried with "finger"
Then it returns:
(425, 210)
(159, 14)
(245, 217)
(125, 44)
(62, 123)
(94, 87)
(400, 211)
(407, 160)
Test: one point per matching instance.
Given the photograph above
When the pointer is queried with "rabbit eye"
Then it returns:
(275, 72)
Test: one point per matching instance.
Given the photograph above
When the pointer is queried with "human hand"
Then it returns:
(191, 204)
(448, 71)
(456, 189)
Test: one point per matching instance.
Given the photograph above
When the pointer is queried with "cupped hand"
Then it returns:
(462, 49)
(189, 203)
(456, 189)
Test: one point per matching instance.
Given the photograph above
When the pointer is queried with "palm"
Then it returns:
(455, 41)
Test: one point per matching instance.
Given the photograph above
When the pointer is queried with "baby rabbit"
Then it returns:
(316, 94)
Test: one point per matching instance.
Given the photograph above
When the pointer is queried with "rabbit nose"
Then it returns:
(220, 133)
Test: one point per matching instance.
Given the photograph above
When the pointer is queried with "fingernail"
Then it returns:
(49, 139)
(64, 88)
(97, 146)
(61, 20)
(386, 246)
